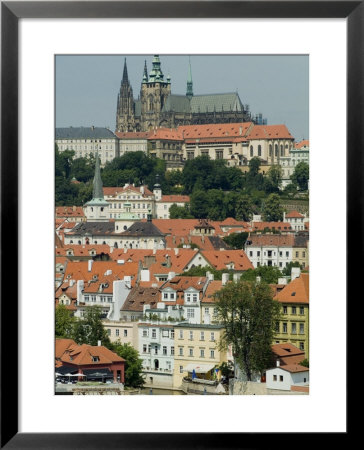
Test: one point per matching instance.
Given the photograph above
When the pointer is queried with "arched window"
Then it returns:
(276, 150)
(251, 151)
(282, 150)
(259, 150)
(270, 149)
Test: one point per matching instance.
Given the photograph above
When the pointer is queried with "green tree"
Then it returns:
(287, 270)
(267, 274)
(273, 179)
(89, 330)
(199, 204)
(180, 212)
(83, 169)
(244, 208)
(64, 322)
(273, 211)
(248, 314)
(133, 364)
(236, 240)
(305, 363)
(301, 175)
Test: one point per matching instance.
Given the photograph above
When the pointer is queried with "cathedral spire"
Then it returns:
(125, 73)
(97, 192)
(145, 72)
(189, 92)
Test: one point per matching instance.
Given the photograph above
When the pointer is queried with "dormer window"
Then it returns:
(95, 359)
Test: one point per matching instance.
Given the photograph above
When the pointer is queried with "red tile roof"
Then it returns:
(69, 211)
(294, 214)
(271, 240)
(222, 258)
(304, 143)
(169, 134)
(132, 134)
(175, 198)
(297, 291)
(216, 132)
(112, 191)
(269, 132)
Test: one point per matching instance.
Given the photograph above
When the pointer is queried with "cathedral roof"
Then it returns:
(177, 103)
(216, 102)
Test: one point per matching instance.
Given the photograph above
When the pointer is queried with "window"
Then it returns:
(212, 353)
(164, 350)
(251, 151)
(202, 353)
(87, 298)
(165, 333)
(202, 336)
(302, 328)
(277, 327)
(294, 328)
(181, 351)
(280, 377)
(206, 311)
(191, 335)
(219, 154)
(284, 327)
(156, 350)
(117, 331)
(194, 296)
(165, 295)
(250, 253)
(212, 336)
(108, 332)
(181, 334)
(259, 150)
(145, 333)
(180, 369)
(154, 333)
(294, 310)
(172, 350)
(125, 333)
(302, 310)
(144, 348)
(274, 377)
(172, 334)
(191, 351)
(302, 346)
(190, 313)
(303, 254)
(284, 309)
(93, 298)
(258, 253)
(95, 358)
(296, 254)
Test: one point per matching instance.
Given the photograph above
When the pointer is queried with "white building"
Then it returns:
(86, 141)
(285, 376)
(296, 220)
(132, 142)
(299, 153)
(270, 250)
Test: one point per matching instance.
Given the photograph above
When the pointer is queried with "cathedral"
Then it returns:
(158, 107)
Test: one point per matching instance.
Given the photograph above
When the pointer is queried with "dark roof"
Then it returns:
(140, 296)
(142, 229)
(177, 103)
(97, 373)
(300, 240)
(219, 102)
(84, 133)
(66, 369)
(218, 243)
(93, 228)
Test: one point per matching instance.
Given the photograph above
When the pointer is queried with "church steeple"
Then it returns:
(97, 209)
(97, 192)
(125, 74)
(189, 92)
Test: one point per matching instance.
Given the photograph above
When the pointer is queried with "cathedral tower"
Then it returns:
(97, 209)
(125, 118)
(153, 94)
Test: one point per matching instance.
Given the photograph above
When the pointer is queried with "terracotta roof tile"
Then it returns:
(297, 291)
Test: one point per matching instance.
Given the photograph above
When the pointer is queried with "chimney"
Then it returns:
(74, 208)
(240, 130)
(295, 273)
(142, 189)
(278, 363)
(99, 343)
(89, 264)
(176, 251)
(282, 280)
(225, 278)
(145, 275)
(168, 261)
(171, 275)
(284, 216)
(108, 272)
(210, 276)
(71, 283)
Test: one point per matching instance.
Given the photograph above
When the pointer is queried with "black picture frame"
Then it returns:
(11, 12)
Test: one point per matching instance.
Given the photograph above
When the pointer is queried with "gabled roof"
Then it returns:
(140, 229)
(174, 199)
(113, 191)
(83, 355)
(271, 240)
(78, 270)
(221, 259)
(132, 134)
(213, 286)
(180, 283)
(224, 131)
(143, 294)
(297, 291)
(69, 211)
(301, 144)
(294, 215)
(169, 134)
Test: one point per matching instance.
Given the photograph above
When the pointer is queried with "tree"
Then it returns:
(236, 240)
(273, 180)
(305, 363)
(180, 212)
(301, 176)
(64, 322)
(273, 211)
(287, 270)
(133, 364)
(248, 314)
(244, 208)
(199, 204)
(89, 330)
(267, 274)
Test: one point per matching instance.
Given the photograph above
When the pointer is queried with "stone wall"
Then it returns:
(253, 388)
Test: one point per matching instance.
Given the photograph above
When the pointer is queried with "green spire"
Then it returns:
(156, 73)
(189, 92)
(145, 73)
(97, 192)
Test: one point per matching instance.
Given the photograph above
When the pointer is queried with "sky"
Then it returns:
(277, 86)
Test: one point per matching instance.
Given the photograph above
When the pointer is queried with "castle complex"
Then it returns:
(158, 107)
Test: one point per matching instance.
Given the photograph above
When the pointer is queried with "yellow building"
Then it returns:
(196, 349)
(294, 324)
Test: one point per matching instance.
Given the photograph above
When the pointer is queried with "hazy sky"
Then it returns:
(276, 86)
